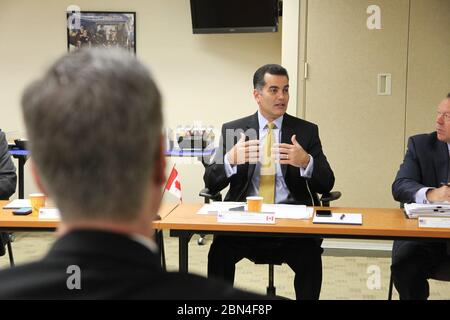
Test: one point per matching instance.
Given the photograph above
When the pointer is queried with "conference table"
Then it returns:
(183, 222)
(378, 223)
(12, 223)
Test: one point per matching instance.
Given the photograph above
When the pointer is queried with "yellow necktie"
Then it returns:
(267, 177)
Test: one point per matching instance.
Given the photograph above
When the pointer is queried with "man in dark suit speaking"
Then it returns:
(94, 123)
(279, 157)
(423, 177)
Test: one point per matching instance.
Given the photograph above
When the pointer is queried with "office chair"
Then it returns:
(208, 197)
(325, 200)
(441, 273)
(7, 238)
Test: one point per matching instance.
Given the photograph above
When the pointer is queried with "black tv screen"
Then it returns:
(228, 16)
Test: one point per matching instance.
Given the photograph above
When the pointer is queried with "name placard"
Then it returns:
(433, 222)
(246, 217)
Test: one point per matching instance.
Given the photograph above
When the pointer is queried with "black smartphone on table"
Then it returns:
(323, 213)
(22, 211)
(241, 208)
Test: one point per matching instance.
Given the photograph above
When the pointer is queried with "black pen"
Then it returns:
(342, 217)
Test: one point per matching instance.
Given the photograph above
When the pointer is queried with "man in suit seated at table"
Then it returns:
(300, 172)
(8, 180)
(94, 123)
(422, 178)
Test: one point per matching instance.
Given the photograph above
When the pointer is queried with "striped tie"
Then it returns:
(267, 177)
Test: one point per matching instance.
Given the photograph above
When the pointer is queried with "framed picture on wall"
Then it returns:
(101, 29)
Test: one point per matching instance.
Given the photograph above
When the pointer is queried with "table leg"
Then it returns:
(21, 184)
(183, 254)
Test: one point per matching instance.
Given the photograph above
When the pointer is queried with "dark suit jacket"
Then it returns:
(425, 165)
(112, 266)
(8, 176)
(307, 134)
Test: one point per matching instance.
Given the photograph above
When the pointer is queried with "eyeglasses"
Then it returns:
(445, 115)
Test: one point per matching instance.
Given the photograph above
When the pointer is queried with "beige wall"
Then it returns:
(290, 45)
(204, 78)
(207, 78)
(428, 63)
(364, 134)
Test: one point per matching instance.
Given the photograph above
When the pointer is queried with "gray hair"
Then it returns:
(94, 122)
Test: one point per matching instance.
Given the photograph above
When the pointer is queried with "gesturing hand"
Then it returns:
(439, 195)
(292, 154)
(244, 151)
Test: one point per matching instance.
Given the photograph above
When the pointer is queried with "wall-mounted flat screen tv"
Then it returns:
(234, 16)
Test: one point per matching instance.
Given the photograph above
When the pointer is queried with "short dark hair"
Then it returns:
(448, 96)
(274, 69)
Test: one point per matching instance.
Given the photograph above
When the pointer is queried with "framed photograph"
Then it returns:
(101, 29)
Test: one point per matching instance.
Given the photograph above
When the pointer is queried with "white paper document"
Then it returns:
(49, 213)
(340, 218)
(282, 211)
(218, 206)
(289, 211)
(18, 203)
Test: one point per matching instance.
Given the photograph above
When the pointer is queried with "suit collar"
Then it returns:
(287, 132)
(441, 161)
(288, 129)
(253, 122)
(104, 245)
(262, 122)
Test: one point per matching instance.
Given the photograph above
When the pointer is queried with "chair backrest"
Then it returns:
(326, 198)
(206, 194)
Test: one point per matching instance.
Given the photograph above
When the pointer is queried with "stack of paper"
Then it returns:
(282, 211)
(18, 203)
(218, 206)
(414, 210)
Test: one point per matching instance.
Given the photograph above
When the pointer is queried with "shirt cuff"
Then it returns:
(421, 196)
(307, 172)
(229, 169)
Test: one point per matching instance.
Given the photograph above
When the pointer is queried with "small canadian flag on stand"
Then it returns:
(173, 184)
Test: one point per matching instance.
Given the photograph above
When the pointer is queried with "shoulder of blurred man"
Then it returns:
(111, 267)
